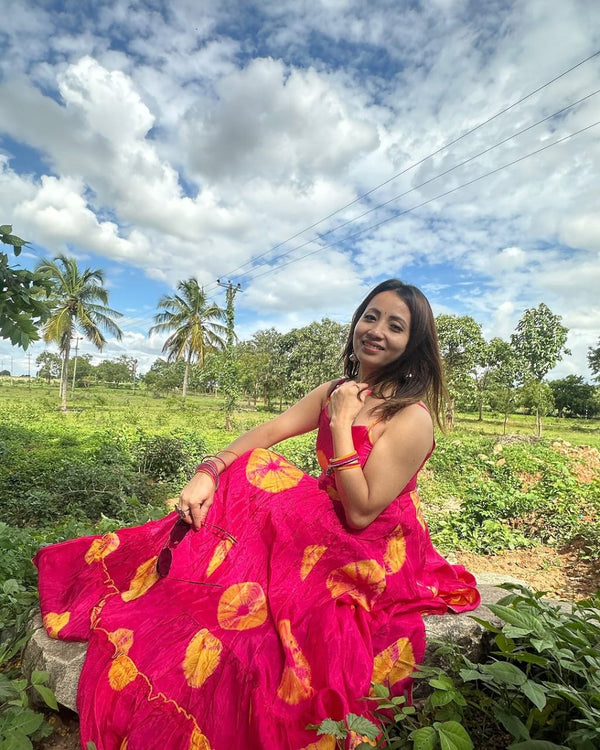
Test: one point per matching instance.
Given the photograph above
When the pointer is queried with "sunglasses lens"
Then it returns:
(163, 562)
(180, 529)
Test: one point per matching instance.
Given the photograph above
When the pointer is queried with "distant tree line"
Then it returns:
(64, 304)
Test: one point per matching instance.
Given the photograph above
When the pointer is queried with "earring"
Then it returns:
(353, 357)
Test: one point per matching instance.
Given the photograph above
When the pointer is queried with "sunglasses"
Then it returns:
(178, 532)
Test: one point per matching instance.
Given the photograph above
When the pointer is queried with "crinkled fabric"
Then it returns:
(280, 622)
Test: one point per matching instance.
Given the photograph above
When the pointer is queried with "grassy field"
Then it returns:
(116, 456)
(98, 407)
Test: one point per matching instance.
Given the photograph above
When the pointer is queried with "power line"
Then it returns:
(430, 200)
(425, 182)
(413, 165)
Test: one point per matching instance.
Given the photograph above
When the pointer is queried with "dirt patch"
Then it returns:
(585, 460)
(559, 571)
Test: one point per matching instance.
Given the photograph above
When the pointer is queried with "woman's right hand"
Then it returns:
(196, 499)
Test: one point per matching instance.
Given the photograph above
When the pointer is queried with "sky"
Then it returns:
(308, 149)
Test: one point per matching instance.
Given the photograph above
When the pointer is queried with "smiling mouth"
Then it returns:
(372, 346)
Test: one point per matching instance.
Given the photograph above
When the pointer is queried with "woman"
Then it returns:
(291, 594)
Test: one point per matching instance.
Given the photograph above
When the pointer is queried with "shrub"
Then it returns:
(539, 690)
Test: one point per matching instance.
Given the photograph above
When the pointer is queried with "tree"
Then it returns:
(536, 395)
(503, 377)
(164, 376)
(462, 346)
(195, 326)
(539, 342)
(574, 397)
(115, 371)
(315, 356)
(594, 360)
(50, 365)
(78, 304)
(22, 310)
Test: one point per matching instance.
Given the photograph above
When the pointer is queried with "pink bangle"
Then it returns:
(210, 469)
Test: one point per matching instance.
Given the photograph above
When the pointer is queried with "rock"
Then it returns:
(64, 659)
(61, 659)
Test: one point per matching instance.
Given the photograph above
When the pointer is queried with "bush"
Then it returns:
(540, 689)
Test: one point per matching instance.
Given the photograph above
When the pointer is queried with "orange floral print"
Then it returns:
(416, 498)
(55, 622)
(202, 657)
(102, 547)
(122, 640)
(242, 606)
(122, 671)
(394, 663)
(198, 741)
(364, 581)
(395, 552)
(271, 472)
(312, 554)
(461, 597)
(322, 459)
(295, 681)
(145, 577)
(219, 555)
(327, 742)
(354, 740)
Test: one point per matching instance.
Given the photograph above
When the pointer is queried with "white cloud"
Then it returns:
(189, 141)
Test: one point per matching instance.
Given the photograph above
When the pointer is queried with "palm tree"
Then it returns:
(78, 304)
(195, 326)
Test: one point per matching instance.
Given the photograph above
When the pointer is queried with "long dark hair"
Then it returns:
(416, 375)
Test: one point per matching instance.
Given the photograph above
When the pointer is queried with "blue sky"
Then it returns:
(164, 140)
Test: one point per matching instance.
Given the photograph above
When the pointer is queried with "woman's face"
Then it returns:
(382, 333)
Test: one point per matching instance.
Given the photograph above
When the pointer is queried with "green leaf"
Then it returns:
(453, 736)
(91, 746)
(336, 729)
(16, 740)
(362, 726)
(442, 683)
(523, 620)
(7, 689)
(27, 721)
(47, 696)
(424, 738)
(39, 678)
(19, 685)
(528, 658)
(535, 692)
(440, 698)
(505, 673)
(511, 723)
(381, 691)
(6, 229)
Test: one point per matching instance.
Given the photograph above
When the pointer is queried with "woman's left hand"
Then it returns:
(346, 402)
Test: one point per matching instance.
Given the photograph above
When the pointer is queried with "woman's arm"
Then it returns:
(197, 496)
(395, 458)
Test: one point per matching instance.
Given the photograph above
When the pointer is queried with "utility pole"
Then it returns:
(77, 340)
(230, 385)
